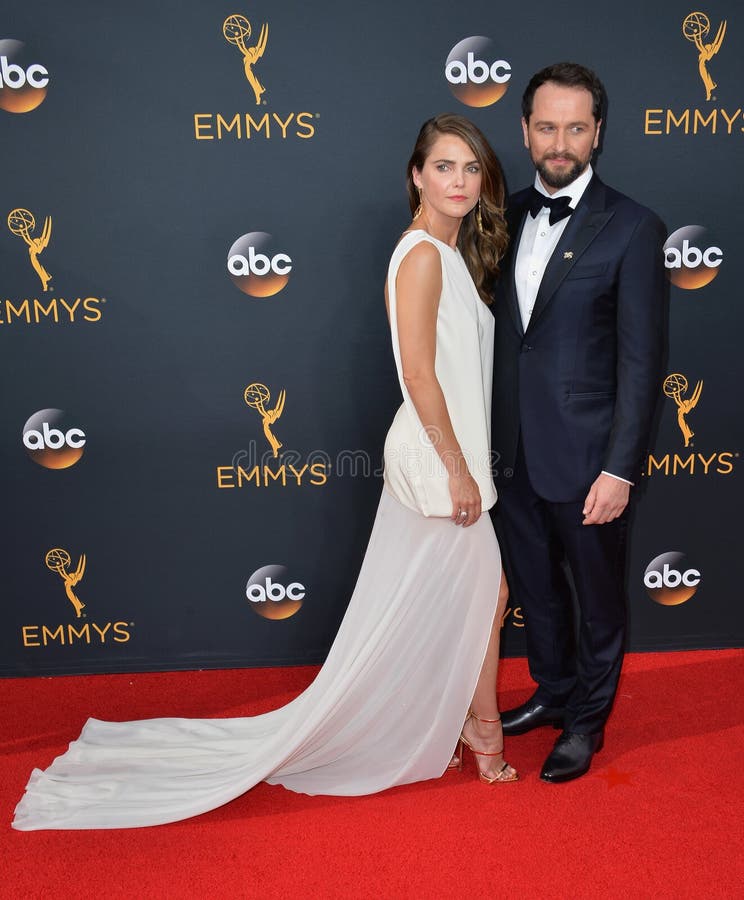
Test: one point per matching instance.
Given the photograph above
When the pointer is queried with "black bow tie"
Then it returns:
(559, 206)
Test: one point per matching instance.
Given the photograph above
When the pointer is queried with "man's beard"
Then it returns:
(559, 180)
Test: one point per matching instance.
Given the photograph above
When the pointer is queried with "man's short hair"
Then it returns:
(566, 74)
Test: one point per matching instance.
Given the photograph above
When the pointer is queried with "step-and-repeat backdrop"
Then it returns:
(197, 205)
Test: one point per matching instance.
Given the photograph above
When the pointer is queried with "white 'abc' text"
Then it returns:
(53, 438)
(14, 76)
(257, 593)
(476, 71)
(259, 264)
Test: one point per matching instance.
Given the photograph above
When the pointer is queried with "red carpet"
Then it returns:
(659, 815)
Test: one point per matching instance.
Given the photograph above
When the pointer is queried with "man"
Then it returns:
(579, 313)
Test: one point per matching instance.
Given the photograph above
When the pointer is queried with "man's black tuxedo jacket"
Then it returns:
(580, 385)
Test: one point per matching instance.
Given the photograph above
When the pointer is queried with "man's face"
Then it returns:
(561, 133)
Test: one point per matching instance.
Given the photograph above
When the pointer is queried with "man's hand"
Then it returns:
(606, 500)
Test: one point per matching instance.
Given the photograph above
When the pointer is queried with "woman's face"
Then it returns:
(450, 178)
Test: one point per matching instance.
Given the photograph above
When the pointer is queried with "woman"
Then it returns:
(418, 646)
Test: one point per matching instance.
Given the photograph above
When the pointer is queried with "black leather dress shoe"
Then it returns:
(571, 756)
(530, 715)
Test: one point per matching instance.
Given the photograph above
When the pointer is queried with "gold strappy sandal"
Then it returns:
(505, 774)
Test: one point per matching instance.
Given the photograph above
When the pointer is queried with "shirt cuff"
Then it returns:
(631, 483)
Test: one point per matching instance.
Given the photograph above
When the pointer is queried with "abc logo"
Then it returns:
(255, 268)
(23, 83)
(50, 442)
(271, 593)
(669, 580)
(474, 72)
(691, 262)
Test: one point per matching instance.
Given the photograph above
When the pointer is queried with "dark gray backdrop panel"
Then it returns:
(143, 216)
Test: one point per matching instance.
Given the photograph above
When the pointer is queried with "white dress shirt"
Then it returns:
(537, 244)
(539, 240)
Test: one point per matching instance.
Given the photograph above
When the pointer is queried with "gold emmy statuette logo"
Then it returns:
(21, 222)
(237, 30)
(257, 396)
(675, 385)
(58, 561)
(696, 27)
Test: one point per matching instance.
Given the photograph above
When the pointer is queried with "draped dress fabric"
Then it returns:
(388, 704)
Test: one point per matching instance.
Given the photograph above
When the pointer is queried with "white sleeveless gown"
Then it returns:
(388, 704)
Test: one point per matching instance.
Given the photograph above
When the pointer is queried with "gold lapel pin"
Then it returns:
(568, 254)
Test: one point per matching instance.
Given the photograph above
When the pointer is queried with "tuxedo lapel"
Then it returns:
(582, 228)
(515, 222)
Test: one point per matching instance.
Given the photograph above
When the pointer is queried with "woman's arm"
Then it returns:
(418, 288)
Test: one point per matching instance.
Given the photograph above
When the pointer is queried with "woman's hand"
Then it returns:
(466, 499)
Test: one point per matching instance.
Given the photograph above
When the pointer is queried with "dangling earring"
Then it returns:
(420, 206)
(478, 217)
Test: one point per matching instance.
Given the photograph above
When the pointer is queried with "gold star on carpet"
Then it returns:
(613, 777)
